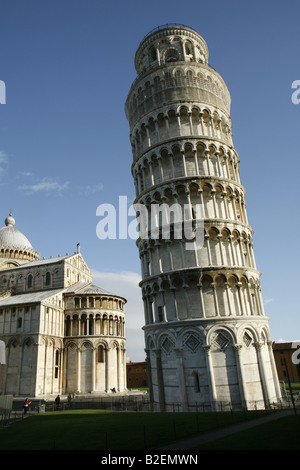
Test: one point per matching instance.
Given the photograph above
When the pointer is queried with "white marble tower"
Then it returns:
(207, 338)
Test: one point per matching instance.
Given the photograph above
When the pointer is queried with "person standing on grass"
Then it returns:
(69, 400)
(57, 401)
(26, 405)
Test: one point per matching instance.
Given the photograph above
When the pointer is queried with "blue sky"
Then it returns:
(64, 139)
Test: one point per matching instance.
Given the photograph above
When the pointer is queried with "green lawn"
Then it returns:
(109, 430)
(283, 434)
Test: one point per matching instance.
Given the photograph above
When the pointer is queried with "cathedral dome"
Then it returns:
(13, 244)
(12, 238)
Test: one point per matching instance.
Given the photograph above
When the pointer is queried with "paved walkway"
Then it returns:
(192, 442)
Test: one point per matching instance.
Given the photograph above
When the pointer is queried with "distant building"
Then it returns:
(137, 375)
(61, 332)
(287, 361)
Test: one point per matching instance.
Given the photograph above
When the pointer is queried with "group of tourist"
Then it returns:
(27, 403)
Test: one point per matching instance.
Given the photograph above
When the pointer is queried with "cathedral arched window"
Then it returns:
(100, 355)
(48, 279)
(29, 281)
(57, 358)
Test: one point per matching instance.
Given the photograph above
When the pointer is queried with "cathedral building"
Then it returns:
(206, 334)
(61, 333)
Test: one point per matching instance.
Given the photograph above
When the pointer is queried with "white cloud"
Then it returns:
(45, 185)
(268, 301)
(126, 284)
(92, 189)
(24, 174)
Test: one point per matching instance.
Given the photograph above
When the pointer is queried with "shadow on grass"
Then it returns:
(283, 434)
(110, 430)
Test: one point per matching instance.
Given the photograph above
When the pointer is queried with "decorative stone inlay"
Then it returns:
(192, 343)
(167, 345)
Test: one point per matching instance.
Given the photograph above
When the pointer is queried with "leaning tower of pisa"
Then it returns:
(207, 338)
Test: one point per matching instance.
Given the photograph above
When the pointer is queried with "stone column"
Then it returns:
(274, 371)
(149, 370)
(196, 162)
(211, 379)
(173, 290)
(159, 159)
(107, 372)
(228, 297)
(240, 374)
(64, 369)
(201, 299)
(217, 154)
(238, 287)
(207, 161)
(250, 299)
(262, 372)
(94, 351)
(220, 240)
(206, 237)
(78, 370)
(181, 379)
(124, 369)
(160, 380)
(214, 287)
